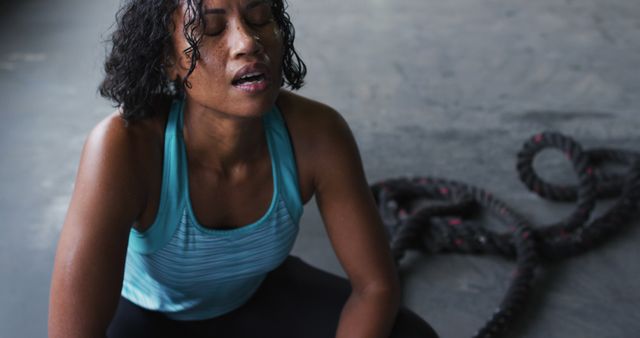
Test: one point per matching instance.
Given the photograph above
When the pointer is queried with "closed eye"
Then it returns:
(258, 13)
(214, 27)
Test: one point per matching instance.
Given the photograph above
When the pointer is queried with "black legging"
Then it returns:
(295, 301)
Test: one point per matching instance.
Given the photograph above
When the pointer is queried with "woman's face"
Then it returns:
(239, 71)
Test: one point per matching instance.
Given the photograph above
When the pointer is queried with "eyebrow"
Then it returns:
(250, 5)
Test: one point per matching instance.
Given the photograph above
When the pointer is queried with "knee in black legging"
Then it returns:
(410, 325)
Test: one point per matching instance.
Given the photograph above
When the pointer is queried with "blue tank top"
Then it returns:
(190, 272)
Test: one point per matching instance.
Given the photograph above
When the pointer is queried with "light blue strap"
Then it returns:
(170, 206)
(285, 158)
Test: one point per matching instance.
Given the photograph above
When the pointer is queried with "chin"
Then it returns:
(257, 105)
(253, 109)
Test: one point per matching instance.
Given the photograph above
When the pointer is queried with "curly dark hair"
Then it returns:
(135, 75)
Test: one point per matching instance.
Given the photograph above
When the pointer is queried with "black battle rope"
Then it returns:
(434, 215)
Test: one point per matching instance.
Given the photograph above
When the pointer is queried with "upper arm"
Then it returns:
(348, 208)
(89, 262)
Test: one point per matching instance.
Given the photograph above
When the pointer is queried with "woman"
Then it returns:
(187, 199)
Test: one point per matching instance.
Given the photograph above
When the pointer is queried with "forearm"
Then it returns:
(72, 316)
(79, 305)
(369, 314)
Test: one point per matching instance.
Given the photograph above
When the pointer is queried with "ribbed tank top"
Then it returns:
(190, 272)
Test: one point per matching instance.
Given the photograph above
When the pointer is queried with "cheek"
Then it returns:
(210, 69)
(277, 33)
(277, 44)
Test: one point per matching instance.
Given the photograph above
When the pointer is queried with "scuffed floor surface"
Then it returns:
(439, 88)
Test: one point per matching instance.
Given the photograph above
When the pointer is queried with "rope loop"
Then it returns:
(436, 215)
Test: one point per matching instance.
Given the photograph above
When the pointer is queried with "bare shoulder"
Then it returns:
(121, 142)
(123, 157)
(315, 124)
(307, 113)
(320, 136)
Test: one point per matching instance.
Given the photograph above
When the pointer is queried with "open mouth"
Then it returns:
(252, 79)
(249, 78)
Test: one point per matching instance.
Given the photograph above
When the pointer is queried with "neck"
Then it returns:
(222, 143)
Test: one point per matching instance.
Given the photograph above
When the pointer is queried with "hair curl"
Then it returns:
(135, 69)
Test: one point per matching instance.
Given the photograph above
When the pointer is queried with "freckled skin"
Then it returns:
(238, 45)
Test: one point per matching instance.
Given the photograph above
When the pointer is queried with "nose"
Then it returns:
(244, 41)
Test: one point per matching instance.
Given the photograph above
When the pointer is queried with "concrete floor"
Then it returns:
(442, 88)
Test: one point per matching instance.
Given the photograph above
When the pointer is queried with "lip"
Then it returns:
(252, 87)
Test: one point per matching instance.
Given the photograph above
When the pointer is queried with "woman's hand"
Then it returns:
(89, 263)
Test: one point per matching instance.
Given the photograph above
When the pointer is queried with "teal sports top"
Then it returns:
(190, 272)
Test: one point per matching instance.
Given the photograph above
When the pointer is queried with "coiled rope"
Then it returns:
(434, 215)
